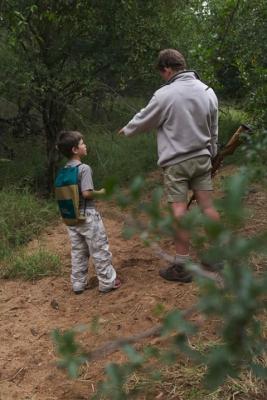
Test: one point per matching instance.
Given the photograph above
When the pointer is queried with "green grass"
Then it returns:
(31, 266)
(22, 217)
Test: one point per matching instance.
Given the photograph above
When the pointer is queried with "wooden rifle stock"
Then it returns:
(228, 149)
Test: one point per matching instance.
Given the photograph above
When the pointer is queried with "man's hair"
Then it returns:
(171, 58)
(67, 140)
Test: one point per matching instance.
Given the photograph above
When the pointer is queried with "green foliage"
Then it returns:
(78, 51)
(231, 204)
(83, 53)
(71, 352)
(254, 150)
(31, 266)
(228, 49)
(22, 217)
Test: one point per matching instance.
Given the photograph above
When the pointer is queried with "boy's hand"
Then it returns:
(101, 191)
(121, 132)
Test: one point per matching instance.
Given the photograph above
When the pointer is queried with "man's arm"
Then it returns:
(148, 118)
(214, 125)
(214, 134)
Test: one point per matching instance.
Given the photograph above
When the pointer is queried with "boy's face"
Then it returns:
(81, 149)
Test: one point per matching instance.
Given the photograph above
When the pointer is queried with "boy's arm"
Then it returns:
(148, 118)
(92, 194)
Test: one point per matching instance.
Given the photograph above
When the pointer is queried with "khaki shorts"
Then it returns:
(194, 174)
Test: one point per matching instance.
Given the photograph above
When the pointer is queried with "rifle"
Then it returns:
(228, 149)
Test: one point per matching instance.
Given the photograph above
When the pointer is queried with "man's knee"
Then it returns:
(179, 209)
(211, 213)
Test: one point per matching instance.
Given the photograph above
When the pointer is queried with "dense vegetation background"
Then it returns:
(89, 65)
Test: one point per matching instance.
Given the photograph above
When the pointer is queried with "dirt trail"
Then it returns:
(30, 311)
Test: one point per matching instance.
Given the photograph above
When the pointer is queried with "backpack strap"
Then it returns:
(85, 200)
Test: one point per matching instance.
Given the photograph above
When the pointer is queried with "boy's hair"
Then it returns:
(171, 58)
(67, 140)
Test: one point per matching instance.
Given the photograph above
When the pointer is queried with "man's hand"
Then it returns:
(121, 132)
(217, 163)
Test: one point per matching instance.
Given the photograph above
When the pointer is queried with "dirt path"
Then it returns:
(30, 311)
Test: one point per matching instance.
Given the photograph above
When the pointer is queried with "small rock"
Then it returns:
(54, 304)
(34, 332)
(252, 190)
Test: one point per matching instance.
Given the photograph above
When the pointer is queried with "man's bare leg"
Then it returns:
(182, 240)
(204, 200)
(176, 272)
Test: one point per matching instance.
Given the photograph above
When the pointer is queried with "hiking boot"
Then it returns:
(175, 273)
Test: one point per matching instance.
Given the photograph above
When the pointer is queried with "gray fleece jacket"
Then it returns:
(185, 113)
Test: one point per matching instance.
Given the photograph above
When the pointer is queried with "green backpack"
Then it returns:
(67, 195)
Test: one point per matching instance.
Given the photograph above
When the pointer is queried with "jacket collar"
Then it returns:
(179, 75)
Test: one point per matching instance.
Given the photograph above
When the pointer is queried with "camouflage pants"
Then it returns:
(89, 239)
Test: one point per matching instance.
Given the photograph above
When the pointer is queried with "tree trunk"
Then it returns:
(53, 113)
(97, 104)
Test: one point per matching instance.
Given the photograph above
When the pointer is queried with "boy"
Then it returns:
(88, 238)
(185, 113)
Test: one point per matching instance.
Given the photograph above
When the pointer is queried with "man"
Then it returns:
(185, 113)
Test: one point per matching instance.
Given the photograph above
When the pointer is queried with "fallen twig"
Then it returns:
(111, 347)
(12, 377)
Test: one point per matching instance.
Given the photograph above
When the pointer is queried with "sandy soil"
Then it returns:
(31, 310)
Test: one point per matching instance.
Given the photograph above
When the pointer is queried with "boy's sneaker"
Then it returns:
(80, 290)
(116, 284)
(175, 273)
